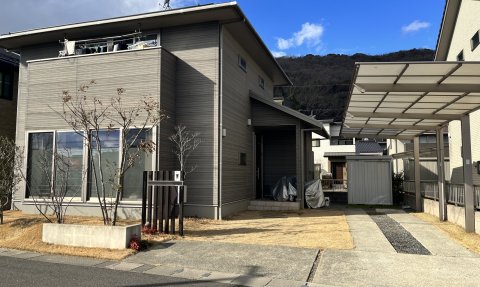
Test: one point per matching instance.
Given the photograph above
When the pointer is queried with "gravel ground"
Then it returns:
(399, 237)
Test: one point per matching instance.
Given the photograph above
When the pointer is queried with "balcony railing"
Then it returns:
(334, 185)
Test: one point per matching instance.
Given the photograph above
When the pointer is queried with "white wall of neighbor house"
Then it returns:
(468, 23)
(325, 146)
(396, 146)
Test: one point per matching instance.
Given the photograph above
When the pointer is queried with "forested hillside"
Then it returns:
(321, 83)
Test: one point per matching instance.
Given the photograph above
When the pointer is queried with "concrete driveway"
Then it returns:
(375, 261)
(392, 248)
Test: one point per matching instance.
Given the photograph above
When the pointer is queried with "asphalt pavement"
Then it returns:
(20, 272)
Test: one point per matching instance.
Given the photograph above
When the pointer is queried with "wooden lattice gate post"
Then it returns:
(162, 192)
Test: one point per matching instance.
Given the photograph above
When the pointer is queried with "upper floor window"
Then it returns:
(315, 142)
(261, 82)
(475, 40)
(242, 63)
(6, 85)
(340, 141)
(460, 56)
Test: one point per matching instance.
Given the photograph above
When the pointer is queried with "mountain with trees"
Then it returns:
(322, 83)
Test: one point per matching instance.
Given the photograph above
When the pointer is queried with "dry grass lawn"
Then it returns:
(456, 232)
(24, 232)
(323, 228)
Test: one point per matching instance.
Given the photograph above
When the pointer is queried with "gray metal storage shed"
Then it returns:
(369, 179)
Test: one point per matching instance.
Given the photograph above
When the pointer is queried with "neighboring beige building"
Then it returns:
(459, 41)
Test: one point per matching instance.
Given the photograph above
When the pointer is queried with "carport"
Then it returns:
(403, 100)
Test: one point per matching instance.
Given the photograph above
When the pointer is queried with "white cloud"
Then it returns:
(415, 26)
(310, 34)
(283, 44)
(278, 54)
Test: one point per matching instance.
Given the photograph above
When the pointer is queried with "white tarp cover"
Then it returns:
(284, 189)
(314, 194)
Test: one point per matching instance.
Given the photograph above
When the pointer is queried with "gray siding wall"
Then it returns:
(197, 50)
(166, 159)
(28, 53)
(264, 115)
(42, 84)
(237, 180)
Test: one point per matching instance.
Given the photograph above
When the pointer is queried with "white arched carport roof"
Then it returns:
(402, 100)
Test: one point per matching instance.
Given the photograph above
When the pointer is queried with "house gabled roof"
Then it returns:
(362, 147)
(228, 14)
(316, 124)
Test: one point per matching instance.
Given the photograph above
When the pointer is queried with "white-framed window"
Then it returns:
(242, 63)
(50, 153)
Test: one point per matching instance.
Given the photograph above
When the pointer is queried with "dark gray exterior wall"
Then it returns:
(166, 160)
(43, 83)
(197, 50)
(237, 180)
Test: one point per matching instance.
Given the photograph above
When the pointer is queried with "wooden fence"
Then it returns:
(162, 201)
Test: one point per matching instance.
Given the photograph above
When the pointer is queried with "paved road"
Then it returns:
(19, 272)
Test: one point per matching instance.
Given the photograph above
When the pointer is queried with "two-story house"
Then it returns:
(211, 72)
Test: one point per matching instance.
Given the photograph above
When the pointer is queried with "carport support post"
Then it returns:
(442, 203)
(467, 175)
(416, 155)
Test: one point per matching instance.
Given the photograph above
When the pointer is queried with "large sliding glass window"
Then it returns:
(133, 180)
(39, 164)
(69, 163)
(107, 150)
(62, 163)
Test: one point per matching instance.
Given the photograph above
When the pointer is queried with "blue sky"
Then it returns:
(288, 27)
(346, 26)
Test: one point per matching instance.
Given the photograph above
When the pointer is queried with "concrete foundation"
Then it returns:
(455, 214)
(112, 237)
(431, 207)
(234, 207)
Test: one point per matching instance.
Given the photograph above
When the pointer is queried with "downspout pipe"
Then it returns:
(220, 122)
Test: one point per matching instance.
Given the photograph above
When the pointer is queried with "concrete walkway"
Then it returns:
(373, 263)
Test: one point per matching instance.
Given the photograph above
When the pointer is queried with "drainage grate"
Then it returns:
(402, 240)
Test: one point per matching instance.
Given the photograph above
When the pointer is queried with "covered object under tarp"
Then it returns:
(314, 194)
(369, 180)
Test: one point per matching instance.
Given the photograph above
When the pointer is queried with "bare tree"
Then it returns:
(10, 159)
(185, 143)
(89, 116)
(60, 192)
